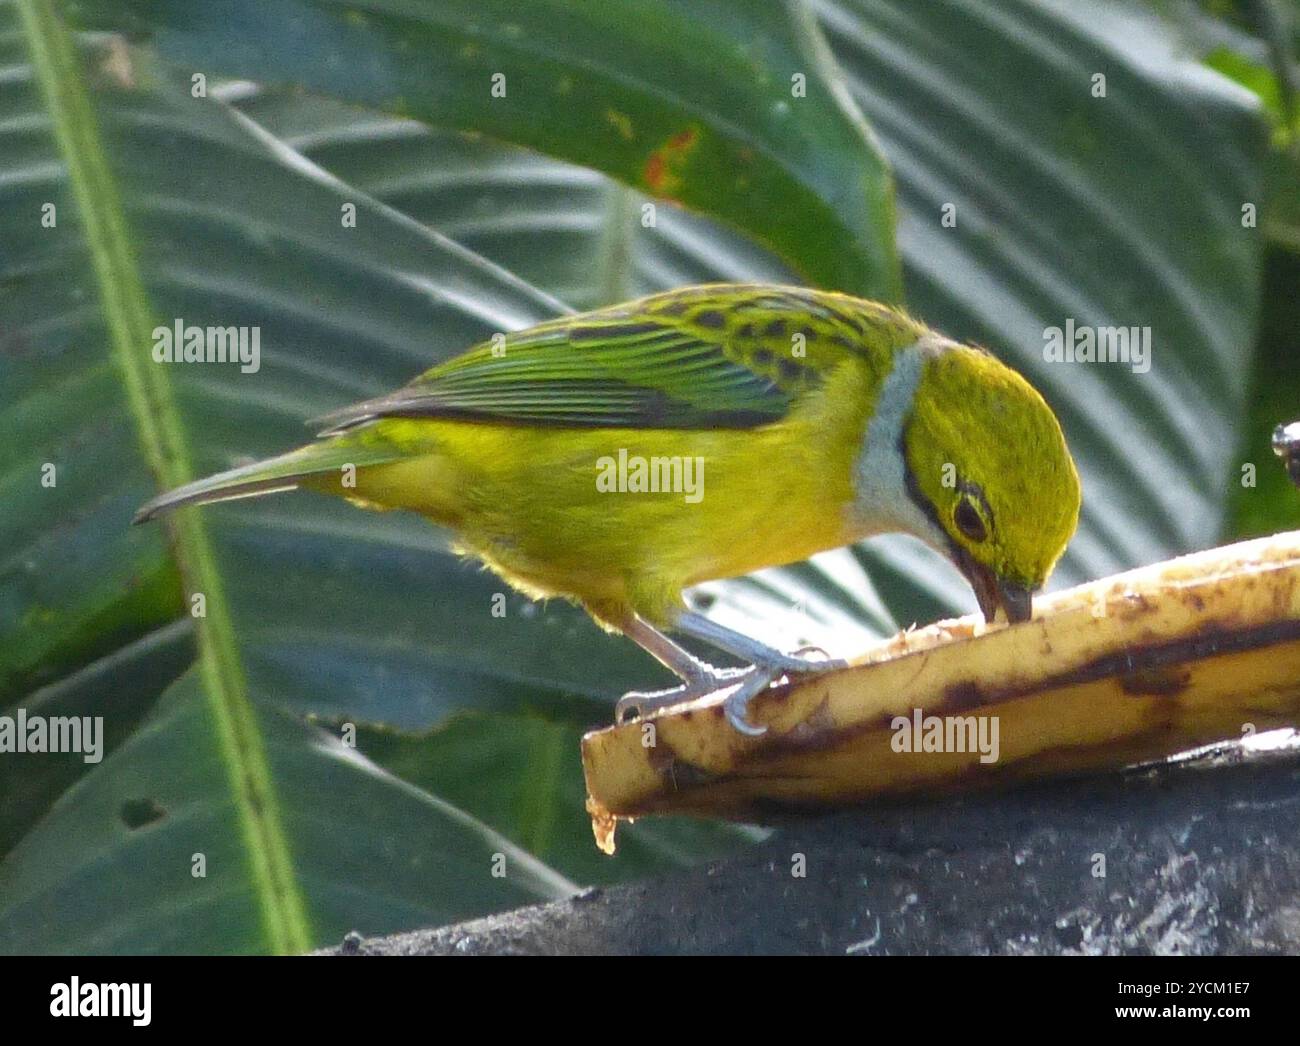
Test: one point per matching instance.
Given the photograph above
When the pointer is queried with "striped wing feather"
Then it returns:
(718, 356)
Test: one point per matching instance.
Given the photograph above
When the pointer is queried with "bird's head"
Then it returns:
(986, 462)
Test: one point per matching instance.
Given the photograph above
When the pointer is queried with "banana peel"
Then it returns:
(1128, 669)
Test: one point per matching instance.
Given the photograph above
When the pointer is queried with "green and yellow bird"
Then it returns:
(619, 456)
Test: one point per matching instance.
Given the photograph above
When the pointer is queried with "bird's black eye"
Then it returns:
(968, 519)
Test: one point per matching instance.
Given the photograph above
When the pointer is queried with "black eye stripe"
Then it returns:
(928, 508)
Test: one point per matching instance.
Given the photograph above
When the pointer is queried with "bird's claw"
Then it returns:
(752, 680)
(736, 705)
(636, 705)
(642, 704)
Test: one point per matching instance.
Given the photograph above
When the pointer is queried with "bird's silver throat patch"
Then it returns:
(882, 501)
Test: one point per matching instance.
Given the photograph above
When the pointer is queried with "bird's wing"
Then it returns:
(707, 357)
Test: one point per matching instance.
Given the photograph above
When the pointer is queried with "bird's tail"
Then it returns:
(283, 472)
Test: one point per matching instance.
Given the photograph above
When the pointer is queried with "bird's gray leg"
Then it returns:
(751, 650)
(768, 664)
(698, 677)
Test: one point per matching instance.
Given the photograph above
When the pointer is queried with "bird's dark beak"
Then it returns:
(992, 593)
(1016, 600)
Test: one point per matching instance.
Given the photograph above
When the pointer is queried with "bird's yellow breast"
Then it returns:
(628, 517)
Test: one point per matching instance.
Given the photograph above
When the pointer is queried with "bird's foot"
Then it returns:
(747, 682)
(766, 672)
(709, 681)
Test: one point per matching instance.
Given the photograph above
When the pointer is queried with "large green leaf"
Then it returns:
(127, 681)
(568, 230)
(150, 856)
(730, 108)
(1257, 44)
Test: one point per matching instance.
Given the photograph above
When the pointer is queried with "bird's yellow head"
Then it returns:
(987, 464)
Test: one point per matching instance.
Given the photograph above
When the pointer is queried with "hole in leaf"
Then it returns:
(136, 813)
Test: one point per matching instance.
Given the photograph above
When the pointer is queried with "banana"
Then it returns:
(1131, 668)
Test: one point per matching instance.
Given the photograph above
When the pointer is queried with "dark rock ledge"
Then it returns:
(1202, 857)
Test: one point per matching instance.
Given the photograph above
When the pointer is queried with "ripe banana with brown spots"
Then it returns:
(1128, 669)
